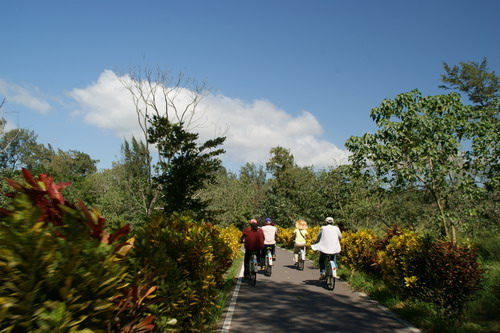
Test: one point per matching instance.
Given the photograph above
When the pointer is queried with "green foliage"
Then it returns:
(59, 268)
(19, 149)
(234, 201)
(474, 79)
(186, 166)
(418, 143)
(438, 272)
(445, 274)
(187, 260)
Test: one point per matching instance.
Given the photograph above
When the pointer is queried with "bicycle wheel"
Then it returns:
(301, 264)
(253, 278)
(253, 271)
(330, 281)
(269, 268)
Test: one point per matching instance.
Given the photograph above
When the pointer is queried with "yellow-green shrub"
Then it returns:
(231, 237)
(187, 260)
(285, 237)
(394, 260)
(358, 250)
(312, 235)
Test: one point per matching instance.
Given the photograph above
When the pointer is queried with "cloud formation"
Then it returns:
(19, 95)
(251, 129)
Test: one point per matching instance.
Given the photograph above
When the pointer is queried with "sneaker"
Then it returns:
(322, 276)
(274, 258)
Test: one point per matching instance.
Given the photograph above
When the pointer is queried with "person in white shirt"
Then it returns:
(270, 233)
(327, 243)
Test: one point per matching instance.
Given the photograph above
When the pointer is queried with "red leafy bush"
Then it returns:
(446, 274)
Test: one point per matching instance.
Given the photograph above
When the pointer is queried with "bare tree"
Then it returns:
(157, 93)
(5, 145)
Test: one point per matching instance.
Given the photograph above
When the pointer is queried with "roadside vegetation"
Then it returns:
(151, 244)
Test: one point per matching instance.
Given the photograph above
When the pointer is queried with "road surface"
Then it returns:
(296, 301)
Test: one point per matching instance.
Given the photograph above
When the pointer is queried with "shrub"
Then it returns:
(445, 274)
(59, 268)
(285, 237)
(231, 237)
(187, 260)
(359, 251)
(394, 261)
(439, 272)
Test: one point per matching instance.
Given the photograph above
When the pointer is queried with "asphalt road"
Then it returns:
(296, 301)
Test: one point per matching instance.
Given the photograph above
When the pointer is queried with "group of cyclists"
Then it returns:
(258, 239)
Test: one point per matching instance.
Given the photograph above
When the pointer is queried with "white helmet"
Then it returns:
(329, 220)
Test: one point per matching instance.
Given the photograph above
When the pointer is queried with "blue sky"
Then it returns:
(300, 74)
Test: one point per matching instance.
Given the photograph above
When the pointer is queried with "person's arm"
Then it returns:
(242, 238)
(319, 236)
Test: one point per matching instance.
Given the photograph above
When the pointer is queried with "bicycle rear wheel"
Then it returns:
(301, 264)
(253, 278)
(253, 271)
(330, 282)
(269, 268)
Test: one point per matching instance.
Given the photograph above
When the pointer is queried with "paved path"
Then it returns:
(296, 301)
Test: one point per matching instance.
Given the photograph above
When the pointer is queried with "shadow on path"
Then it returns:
(296, 301)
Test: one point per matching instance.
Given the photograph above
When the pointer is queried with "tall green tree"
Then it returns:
(20, 149)
(476, 81)
(482, 87)
(167, 114)
(185, 166)
(419, 142)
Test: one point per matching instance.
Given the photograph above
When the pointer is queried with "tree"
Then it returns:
(20, 149)
(185, 166)
(482, 87)
(419, 143)
(170, 103)
(473, 79)
(234, 200)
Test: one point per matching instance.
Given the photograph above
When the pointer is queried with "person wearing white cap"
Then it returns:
(328, 242)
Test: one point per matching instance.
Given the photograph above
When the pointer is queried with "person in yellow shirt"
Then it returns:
(299, 237)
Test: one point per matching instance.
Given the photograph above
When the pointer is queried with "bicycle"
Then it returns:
(253, 269)
(269, 261)
(301, 258)
(330, 271)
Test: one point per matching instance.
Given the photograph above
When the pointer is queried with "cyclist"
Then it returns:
(299, 238)
(328, 243)
(270, 233)
(253, 238)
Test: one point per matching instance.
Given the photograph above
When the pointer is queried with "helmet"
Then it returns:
(268, 220)
(253, 221)
(329, 220)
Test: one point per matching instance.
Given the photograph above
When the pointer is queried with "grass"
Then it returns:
(481, 315)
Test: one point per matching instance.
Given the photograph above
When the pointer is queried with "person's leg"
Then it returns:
(296, 250)
(246, 264)
(322, 257)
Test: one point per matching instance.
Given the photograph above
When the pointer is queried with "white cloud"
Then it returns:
(15, 94)
(252, 129)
